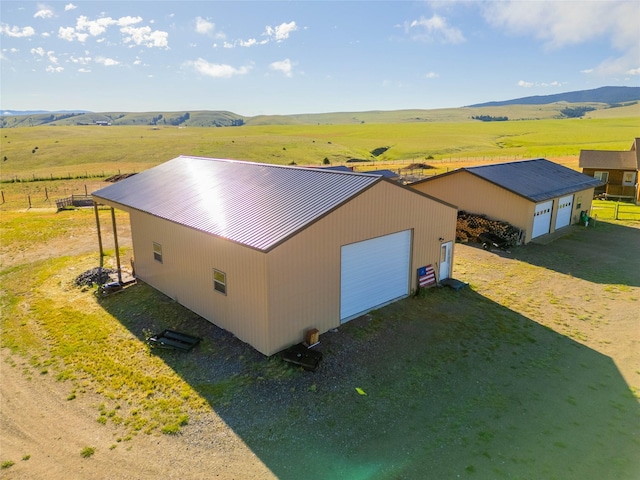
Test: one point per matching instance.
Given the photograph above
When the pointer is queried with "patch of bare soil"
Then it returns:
(39, 422)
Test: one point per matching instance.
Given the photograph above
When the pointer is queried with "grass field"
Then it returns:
(529, 372)
(511, 377)
(46, 152)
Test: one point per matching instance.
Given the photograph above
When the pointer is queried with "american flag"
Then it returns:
(426, 276)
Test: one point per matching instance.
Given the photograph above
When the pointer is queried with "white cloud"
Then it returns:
(145, 36)
(282, 31)
(203, 26)
(107, 62)
(434, 29)
(80, 60)
(52, 69)
(227, 45)
(38, 51)
(431, 75)
(283, 66)
(216, 70)
(17, 31)
(524, 84)
(94, 27)
(86, 27)
(634, 71)
(70, 6)
(559, 24)
(248, 43)
(43, 12)
(84, 70)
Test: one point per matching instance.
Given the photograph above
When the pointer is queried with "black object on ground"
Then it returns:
(301, 355)
(453, 283)
(490, 240)
(172, 340)
(110, 288)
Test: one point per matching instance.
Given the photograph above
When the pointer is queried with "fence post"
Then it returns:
(29, 197)
(617, 208)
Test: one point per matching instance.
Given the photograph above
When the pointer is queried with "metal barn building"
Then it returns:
(536, 196)
(269, 252)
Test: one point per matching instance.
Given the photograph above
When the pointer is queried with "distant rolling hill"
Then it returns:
(617, 101)
(609, 95)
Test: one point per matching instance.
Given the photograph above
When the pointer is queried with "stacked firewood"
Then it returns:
(471, 225)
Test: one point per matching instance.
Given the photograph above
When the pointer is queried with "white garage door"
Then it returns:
(374, 272)
(542, 219)
(565, 207)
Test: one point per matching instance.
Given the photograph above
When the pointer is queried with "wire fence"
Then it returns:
(610, 210)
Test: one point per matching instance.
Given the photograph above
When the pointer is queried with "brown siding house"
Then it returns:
(618, 170)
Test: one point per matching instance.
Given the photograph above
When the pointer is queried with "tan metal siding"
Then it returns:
(186, 275)
(304, 272)
(475, 195)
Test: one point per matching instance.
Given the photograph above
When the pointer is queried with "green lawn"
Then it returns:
(614, 210)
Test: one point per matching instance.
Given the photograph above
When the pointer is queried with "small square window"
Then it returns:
(157, 252)
(220, 281)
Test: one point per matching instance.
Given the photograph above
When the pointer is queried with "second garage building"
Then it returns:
(269, 252)
(537, 196)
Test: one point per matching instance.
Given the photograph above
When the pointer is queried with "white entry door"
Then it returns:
(565, 207)
(445, 260)
(542, 219)
(373, 273)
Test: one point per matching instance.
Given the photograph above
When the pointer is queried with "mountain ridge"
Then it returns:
(622, 99)
(596, 95)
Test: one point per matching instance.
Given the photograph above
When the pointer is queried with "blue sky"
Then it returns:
(287, 57)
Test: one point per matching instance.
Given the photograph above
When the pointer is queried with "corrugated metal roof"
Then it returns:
(610, 159)
(537, 179)
(255, 204)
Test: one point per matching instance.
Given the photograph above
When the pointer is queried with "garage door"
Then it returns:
(542, 219)
(373, 273)
(565, 207)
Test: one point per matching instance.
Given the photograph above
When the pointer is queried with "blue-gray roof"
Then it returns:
(538, 179)
(383, 173)
(254, 204)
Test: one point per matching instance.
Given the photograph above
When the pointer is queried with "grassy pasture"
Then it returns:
(92, 150)
(513, 377)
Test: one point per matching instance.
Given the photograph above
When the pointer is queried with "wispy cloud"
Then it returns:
(52, 69)
(70, 6)
(525, 84)
(204, 26)
(434, 29)
(561, 24)
(107, 62)
(431, 75)
(43, 12)
(285, 66)
(17, 32)
(281, 32)
(216, 70)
